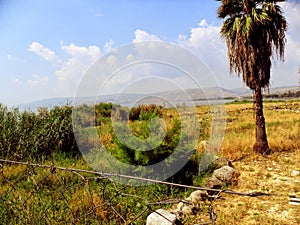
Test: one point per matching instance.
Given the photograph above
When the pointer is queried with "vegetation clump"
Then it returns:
(30, 135)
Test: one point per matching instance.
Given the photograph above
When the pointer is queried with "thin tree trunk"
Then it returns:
(261, 146)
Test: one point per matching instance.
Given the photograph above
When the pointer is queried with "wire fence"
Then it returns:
(48, 194)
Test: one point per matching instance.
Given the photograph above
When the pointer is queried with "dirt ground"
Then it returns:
(269, 174)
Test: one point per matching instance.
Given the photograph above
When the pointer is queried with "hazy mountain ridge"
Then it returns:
(157, 98)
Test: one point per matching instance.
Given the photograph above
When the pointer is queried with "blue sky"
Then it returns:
(45, 46)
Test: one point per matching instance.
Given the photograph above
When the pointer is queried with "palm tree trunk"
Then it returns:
(261, 146)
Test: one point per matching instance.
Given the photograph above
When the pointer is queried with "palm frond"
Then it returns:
(229, 8)
(254, 30)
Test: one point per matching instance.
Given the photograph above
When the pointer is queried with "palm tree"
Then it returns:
(254, 30)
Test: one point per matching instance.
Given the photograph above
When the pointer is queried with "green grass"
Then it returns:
(42, 197)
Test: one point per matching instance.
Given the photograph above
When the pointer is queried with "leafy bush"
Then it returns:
(8, 131)
(139, 147)
(103, 109)
(34, 135)
(145, 112)
(141, 142)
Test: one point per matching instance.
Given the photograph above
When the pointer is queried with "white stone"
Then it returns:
(188, 199)
(197, 196)
(187, 210)
(227, 174)
(203, 144)
(180, 206)
(295, 173)
(161, 217)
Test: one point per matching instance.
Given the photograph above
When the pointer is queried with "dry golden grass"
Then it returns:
(269, 174)
(82, 201)
(282, 124)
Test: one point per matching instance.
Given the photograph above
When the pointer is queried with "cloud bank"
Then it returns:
(42, 51)
(203, 40)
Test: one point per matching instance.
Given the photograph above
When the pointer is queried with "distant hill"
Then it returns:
(49, 103)
(176, 96)
(198, 94)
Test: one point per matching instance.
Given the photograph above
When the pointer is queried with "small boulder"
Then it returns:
(187, 210)
(161, 217)
(203, 144)
(213, 183)
(198, 196)
(227, 174)
(180, 206)
(220, 162)
(295, 173)
(188, 199)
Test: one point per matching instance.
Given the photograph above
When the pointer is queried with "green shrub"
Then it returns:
(8, 131)
(136, 146)
(145, 112)
(103, 109)
(29, 135)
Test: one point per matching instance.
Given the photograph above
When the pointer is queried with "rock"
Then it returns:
(167, 218)
(188, 199)
(198, 196)
(180, 206)
(213, 183)
(203, 144)
(227, 174)
(187, 210)
(220, 162)
(295, 173)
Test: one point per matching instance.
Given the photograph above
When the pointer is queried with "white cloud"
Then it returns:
(12, 58)
(291, 11)
(205, 37)
(182, 38)
(112, 60)
(37, 80)
(42, 51)
(130, 57)
(91, 52)
(97, 14)
(109, 45)
(205, 41)
(81, 58)
(286, 73)
(117, 82)
(141, 35)
(16, 81)
(70, 67)
(203, 23)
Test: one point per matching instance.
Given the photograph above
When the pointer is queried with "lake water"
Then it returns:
(175, 104)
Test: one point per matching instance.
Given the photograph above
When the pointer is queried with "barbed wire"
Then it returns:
(49, 194)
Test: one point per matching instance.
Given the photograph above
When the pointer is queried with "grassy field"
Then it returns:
(270, 174)
(37, 196)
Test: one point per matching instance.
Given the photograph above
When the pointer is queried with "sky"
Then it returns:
(46, 46)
